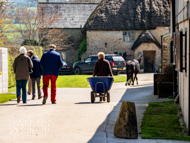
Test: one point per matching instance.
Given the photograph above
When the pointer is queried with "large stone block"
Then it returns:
(126, 124)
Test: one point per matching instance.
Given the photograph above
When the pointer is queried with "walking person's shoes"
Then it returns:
(24, 102)
(28, 93)
(40, 97)
(54, 103)
(33, 97)
(44, 100)
(18, 99)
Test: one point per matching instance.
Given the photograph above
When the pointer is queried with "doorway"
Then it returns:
(149, 61)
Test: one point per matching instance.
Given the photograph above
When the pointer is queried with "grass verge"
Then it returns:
(7, 97)
(79, 81)
(75, 81)
(161, 121)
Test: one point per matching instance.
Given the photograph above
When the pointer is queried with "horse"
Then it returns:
(132, 67)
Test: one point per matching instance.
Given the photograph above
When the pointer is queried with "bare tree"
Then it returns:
(5, 21)
(39, 26)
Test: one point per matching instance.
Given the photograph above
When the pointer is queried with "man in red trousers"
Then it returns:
(51, 62)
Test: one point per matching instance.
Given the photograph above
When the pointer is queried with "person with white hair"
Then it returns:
(22, 66)
(102, 67)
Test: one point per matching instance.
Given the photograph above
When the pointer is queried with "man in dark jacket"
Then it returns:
(102, 67)
(51, 62)
(21, 66)
(36, 77)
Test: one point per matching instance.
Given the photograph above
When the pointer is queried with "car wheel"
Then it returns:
(77, 71)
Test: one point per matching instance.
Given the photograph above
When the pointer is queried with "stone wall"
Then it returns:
(96, 41)
(166, 51)
(150, 47)
(159, 31)
(3, 70)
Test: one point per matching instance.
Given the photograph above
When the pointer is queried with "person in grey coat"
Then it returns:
(22, 66)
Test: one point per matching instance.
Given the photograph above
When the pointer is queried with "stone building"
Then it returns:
(180, 33)
(71, 18)
(129, 28)
(166, 59)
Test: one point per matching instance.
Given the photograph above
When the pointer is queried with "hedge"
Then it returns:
(13, 52)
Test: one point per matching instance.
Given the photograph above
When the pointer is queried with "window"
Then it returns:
(129, 36)
(94, 59)
(88, 60)
(123, 54)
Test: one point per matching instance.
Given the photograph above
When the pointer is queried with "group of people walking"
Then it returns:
(27, 66)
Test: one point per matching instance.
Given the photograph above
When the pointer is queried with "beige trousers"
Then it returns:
(29, 86)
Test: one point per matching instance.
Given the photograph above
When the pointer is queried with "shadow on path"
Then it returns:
(8, 104)
(141, 96)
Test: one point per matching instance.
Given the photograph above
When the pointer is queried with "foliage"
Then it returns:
(30, 42)
(6, 97)
(161, 121)
(82, 49)
(141, 66)
(5, 22)
(39, 27)
(13, 52)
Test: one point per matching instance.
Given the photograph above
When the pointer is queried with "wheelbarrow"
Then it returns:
(100, 87)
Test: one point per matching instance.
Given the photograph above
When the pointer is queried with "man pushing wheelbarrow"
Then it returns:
(102, 83)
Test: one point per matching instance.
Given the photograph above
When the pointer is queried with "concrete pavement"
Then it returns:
(74, 119)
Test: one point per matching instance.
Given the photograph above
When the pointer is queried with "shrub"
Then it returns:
(30, 42)
(82, 49)
(141, 66)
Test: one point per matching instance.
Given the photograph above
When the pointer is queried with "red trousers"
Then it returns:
(53, 79)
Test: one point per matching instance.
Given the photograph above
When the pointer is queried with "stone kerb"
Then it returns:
(3, 70)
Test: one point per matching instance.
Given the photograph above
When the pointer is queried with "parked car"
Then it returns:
(65, 70)
(117, 63)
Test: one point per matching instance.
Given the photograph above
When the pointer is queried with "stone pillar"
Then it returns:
(3, 70)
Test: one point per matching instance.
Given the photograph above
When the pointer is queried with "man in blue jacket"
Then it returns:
(51, 62)
(36, 76)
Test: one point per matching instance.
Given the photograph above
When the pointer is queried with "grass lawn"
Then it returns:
(161, 121)
(7, 97)
(79, 81)
(75, 81)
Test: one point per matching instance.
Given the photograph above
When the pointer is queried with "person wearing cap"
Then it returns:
(21, 66)
(35, 76)
(102, 67)
(51, 62)
(30, 53)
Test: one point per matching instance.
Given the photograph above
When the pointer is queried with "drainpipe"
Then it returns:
(161, 53)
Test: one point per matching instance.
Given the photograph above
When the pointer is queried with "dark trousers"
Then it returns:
(21, 84)
(34, 81)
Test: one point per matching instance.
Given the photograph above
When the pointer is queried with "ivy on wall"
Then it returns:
(82, 49)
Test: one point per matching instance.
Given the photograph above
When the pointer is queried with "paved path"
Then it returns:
(74, 119)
